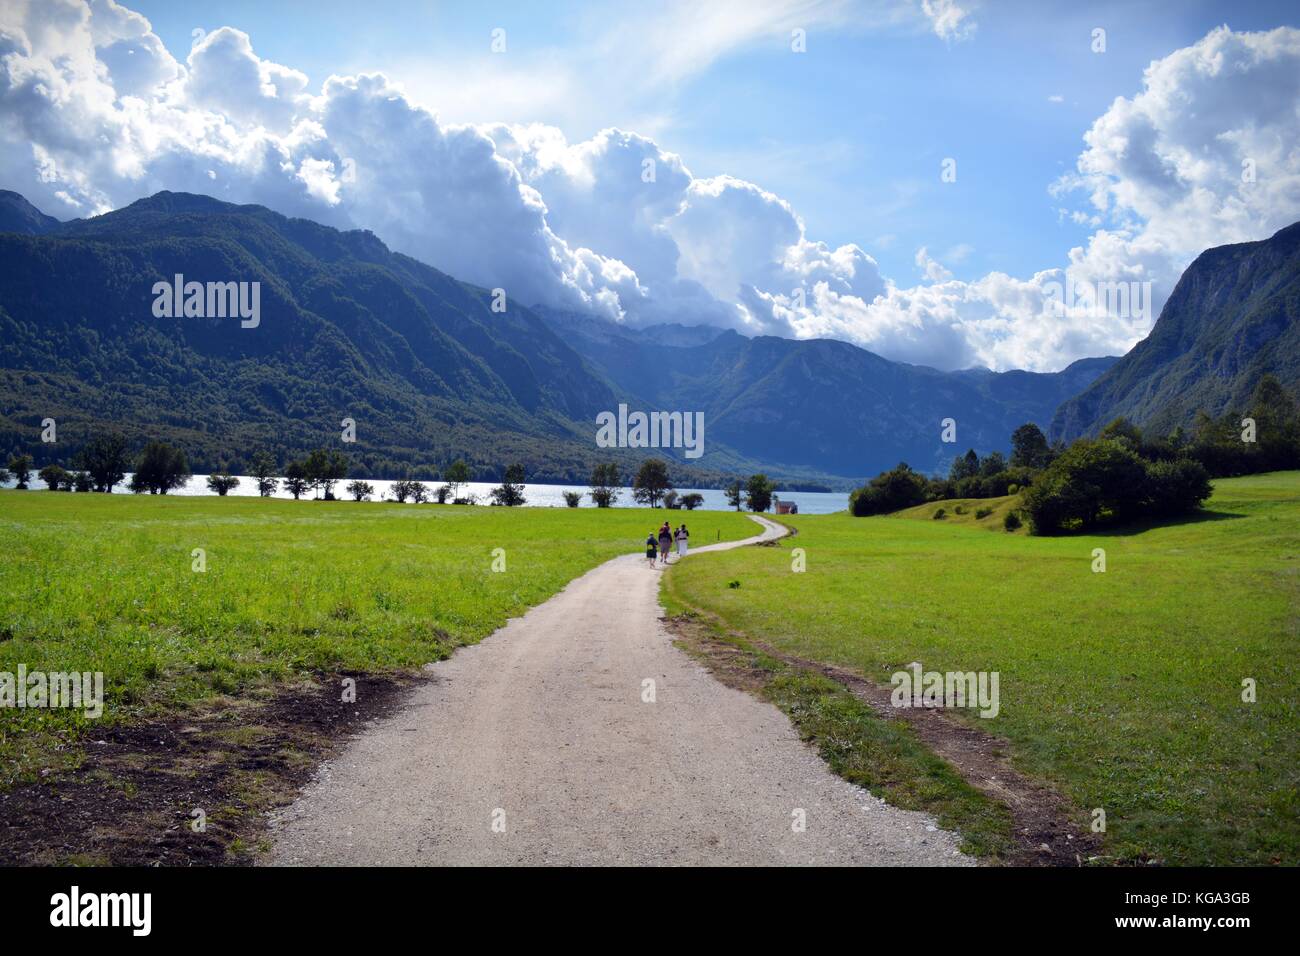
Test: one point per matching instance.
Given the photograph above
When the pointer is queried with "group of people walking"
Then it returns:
(659, 545)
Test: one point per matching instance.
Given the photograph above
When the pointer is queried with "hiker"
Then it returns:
(650, 548)
(683, 536)
(665, 542)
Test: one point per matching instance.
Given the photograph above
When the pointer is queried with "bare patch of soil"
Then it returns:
(132, 799)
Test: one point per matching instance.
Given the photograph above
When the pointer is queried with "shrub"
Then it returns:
(692, 501)
(1176, 487)
(1104, 481)
(892, 490)
(1092, 482)
(222, 483)
(960, 509)
(982, 513)
(1013, 489)
(360, 490)
(940, 514)
(510, 493)
(55, 478)
(572, 498)
(1012, 521)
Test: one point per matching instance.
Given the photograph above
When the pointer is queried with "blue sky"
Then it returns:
(851, 133)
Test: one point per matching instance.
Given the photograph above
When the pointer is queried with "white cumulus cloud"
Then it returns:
(95, 112)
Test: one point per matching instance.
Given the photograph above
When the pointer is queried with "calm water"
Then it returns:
(538, 496)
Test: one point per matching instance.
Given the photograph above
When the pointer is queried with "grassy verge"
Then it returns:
(107, 583)
(1123, 689)
(885, 756)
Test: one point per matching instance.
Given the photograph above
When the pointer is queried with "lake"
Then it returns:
(537, 496)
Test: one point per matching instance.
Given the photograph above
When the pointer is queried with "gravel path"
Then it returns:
(535, 746)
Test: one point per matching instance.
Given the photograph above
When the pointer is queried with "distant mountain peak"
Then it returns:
(1233, 317)
(18, 215)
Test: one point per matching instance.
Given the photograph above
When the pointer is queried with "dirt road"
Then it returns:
(541, 745)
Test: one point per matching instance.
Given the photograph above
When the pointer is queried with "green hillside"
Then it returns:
(423, 364)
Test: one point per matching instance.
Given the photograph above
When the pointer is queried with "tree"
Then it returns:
(511, 491)
(572, 498)
(21, 466)
(735, 493)
(324, 470)
(1277, 425)
(360, 490)
(1176, 487)
(993, 463)
(671, 500)
(651, 482)
(892, 490)
(263, 469)
(1123, 431)
(1029, 447)
(605, 484)
(759, 492)
(82, 481)
(442, 493)
(5, 476)
(692, 501)
(222, 482)
(55, 478)
(295, 479)
(161, 469)
(410, 488)
(966, 466)
(104, 458)
(457, 473)
(1093, 481)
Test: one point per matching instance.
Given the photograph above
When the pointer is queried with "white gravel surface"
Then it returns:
(536, 746)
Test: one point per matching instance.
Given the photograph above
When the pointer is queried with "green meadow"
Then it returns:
(1124, 688)
(107, 583)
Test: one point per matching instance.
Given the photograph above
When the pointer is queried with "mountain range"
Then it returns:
(1233, 316)
(429, 370)
(820, 402)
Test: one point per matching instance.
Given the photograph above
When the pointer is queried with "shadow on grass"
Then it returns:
(1135, 528)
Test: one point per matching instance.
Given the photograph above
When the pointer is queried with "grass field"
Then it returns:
(966, 511)
(1124, 687)
(105, 583)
